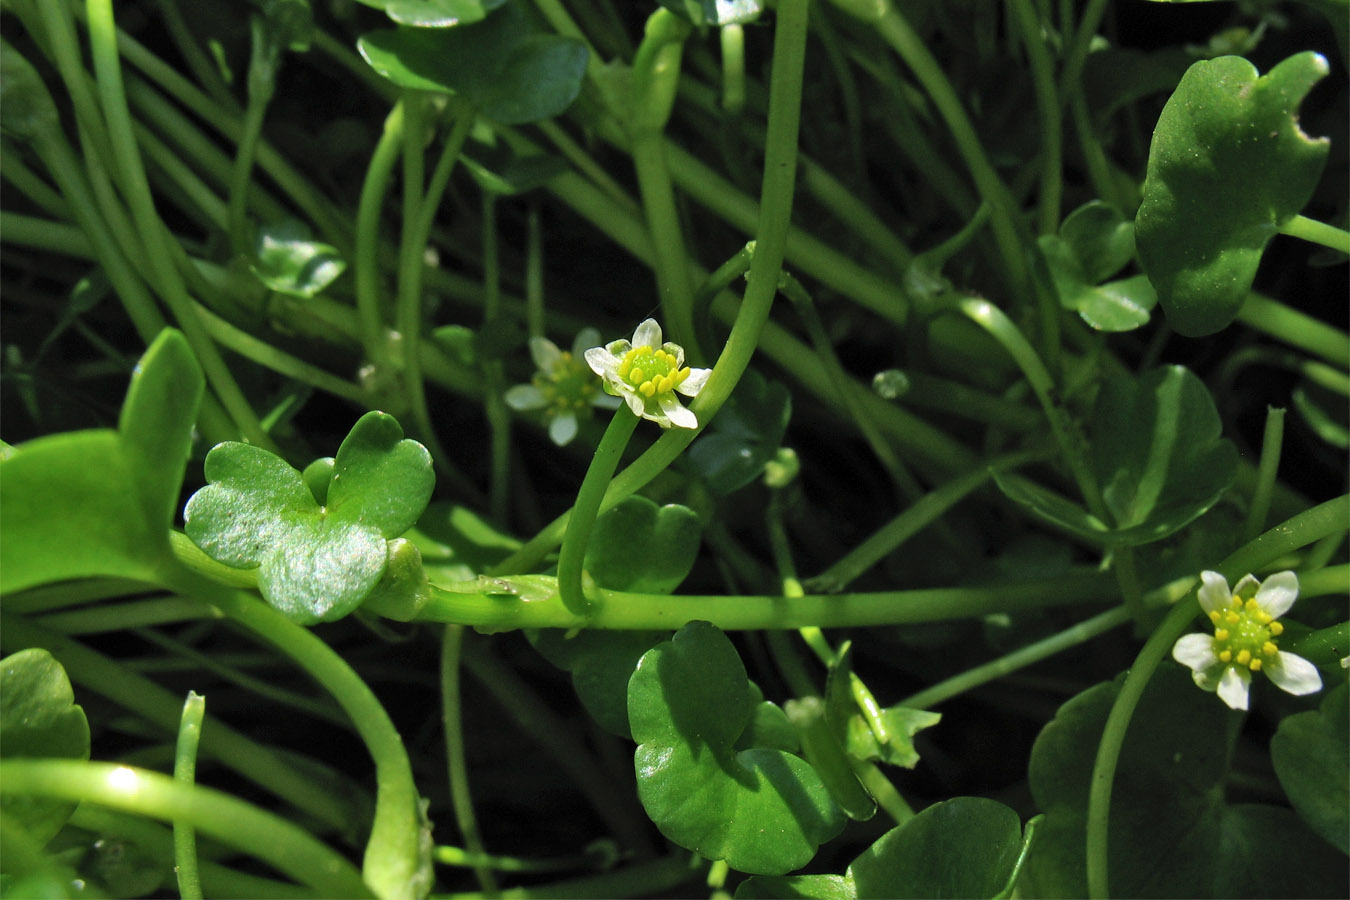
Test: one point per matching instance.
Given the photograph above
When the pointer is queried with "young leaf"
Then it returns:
(289, 262)
(1311, 754)
(745, 436)
(39, 717)
(764, 811)
(510, 73)
(438, 13)
(1093, 244)
(100, 502)
(314, 563)
(1227, 168)
(639, 547)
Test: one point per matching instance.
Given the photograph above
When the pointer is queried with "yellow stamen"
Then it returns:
(1244, 656)
(1264, 617)
(666, 384)
(1232, 618)
(647, 389)
(1214, 616)
(1254, 665)
(1276, 628)
(1253, 606)
(638, 376)
(1225, 656)
(1221, 634)
(1269, 648)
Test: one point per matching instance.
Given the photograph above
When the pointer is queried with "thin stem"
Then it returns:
(1298, 329)
(185, 773)
(280, 844)
(457, 762)
(1318, 233)
(572, 557)
(1302, 529)
(365, 262)
(1272, 442)
(1047, 108)
(241, 173)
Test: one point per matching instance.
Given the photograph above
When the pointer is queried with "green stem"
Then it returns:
(1297, 329)
(1294, 533)
(275, 841)
(185, 773)
(365, 262)
(1131, 591)
(1271, 445)
(1047, 108)
(1337, 239)
(660, 876)
(573, 554)
(241, 173)
(453, 721)
(675, 286)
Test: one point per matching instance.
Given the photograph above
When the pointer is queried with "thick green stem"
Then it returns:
(1318, 233)
(185, 773)
(573, 555)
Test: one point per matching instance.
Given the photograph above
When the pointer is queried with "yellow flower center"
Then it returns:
(568, 386)
(651, 371)
(1244, 633)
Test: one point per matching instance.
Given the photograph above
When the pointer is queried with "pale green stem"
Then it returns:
(1318, 233)
(1272, 443)
(185, 773)
(1047, 108)
(365, 262)
(452, 719)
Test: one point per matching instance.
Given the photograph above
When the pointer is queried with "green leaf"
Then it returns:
(401, 592)
(101, 502)
(1100, 238)
(314, 563)
(636, 546)
(963, 847)
(289, 262)
(1311, 754)
(796, 887)
(744, 436)
(511, 73)
(1172, 832)
(1227, 168)
(1158, 458)
(764, 811)
(854, 731)
(600, 662)
(826, 754)
(39, 718)
(517, 174)
(26, 106)
(439, 13)
(1094, 243)
(458, 544)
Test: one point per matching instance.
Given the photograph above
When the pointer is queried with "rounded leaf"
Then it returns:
(638, 546)
(380, 478)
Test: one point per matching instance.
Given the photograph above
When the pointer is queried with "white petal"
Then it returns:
(636, 403)
(1233, 687)
(648, 334)
(1195, 651)
(1208, 679)
(676, 351)
(545, 353)
(602, 361)
(586, 338)
(1278, 593)
(562, 429)
(1213, 593)
(606, 401)
(1294, 674)
(1246, 586)
(695, 382)
(525, 397)
(678, 415)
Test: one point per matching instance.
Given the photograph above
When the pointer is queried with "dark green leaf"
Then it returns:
(639, 547)
(439, 13)
(1311, 754)
(516, 175)
(1093, 244)
(763, 811)
(458, 543)
(26, 107)
(1227, 168)
(744, 436)
(510, 73)
(39, 718)
(318, 475)
(964, 847)
(826, 754)
(601, 662)
(1100, 238)
(796, 887)
(288, 262)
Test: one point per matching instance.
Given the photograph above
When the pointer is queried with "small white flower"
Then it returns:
(1244, 639)
(563, 387)
(646, 374)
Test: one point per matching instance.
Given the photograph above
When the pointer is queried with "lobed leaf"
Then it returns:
(638, 546)
(1311, 754)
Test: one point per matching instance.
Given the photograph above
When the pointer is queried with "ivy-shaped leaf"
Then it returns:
(1159, 459)
(744, 436)
(1094, 243)
(963, 847)
(1227, 168)
(289, 262)
(39, 718)
(1172, 831)
(764, 811)
(510, 72)
(1311, 755)
(101, 502)
(315, 563)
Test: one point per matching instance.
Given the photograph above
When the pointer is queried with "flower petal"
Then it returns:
(1213, 593)
(562, 429)
(586, 338)
(525, 397)
(1246, 587)
(648, 334)
(1195, 651)
(636, 404)
(1293, 674)
(602, 361)
(606, 401)
(676, 351)
(678, 415)
(1233, 687)
(1278, 593)
(694, 383)
(545, 353)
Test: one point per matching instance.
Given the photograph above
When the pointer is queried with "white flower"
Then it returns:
(646, 374)
(563, 388)
(1244, 639)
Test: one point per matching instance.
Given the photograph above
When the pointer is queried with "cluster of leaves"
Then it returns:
(756, 764)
